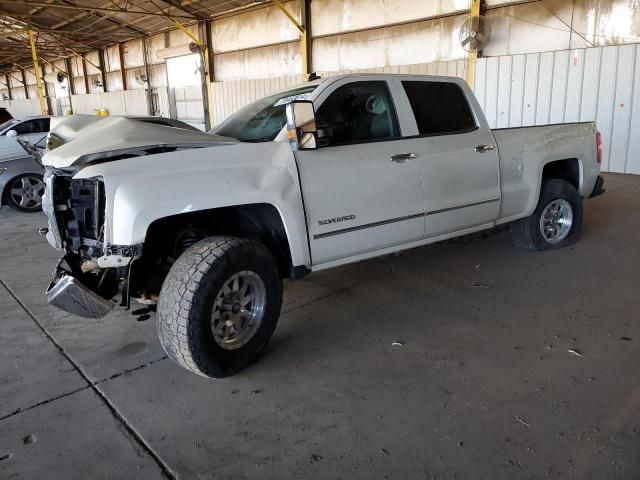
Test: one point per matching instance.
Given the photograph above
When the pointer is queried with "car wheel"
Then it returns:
(24, 193)
(219, 305)
(556, 221)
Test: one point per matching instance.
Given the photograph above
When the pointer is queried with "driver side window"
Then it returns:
(358, 112)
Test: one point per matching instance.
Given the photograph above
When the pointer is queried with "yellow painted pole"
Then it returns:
(36, 68)
(474, 11)
(305, 53)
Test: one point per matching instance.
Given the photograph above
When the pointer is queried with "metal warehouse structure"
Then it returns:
(544, 62)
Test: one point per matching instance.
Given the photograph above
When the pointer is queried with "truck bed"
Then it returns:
(523, 150)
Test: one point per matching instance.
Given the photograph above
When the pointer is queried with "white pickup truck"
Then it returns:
(203, 226)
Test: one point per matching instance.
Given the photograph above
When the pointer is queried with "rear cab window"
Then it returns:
(440, 108)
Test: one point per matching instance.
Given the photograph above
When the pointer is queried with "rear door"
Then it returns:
(458, 155)
(362, 189)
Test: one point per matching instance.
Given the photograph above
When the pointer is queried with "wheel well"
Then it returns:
(567, 169)
(168, 237)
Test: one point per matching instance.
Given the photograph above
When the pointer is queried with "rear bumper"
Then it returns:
(598, 188)
(68, 294)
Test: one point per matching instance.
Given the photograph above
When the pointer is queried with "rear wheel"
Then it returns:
(219, 305)
(24, 193)
(556, 221)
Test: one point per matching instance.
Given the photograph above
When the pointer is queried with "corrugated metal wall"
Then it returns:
(130, 102)
(231, 96)
(22, 107)
(594, 84)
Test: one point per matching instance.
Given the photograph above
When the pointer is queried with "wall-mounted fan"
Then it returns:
(141, 79)
(475, 33)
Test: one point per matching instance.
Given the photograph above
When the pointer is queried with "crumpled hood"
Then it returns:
(10, 149)
(89, 138)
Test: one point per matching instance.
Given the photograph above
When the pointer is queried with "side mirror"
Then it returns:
(12, 134)
(301, 125)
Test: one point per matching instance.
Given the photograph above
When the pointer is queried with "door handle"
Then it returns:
(484, 148)
(403, 157)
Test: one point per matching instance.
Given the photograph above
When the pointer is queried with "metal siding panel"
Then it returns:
(590, 84)
(462, 69)
(517, 90)
(574, 86)
(545, 80)
(451, 68)
(633, 153)
(606, 97)
(504, 91)
(480, 81)
(491, 94)
(622, 108)
(532, 65)
(559, 86)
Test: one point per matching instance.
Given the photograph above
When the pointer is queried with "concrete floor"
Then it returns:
(484, 386)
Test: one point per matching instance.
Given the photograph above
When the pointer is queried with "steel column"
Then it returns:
(84, 75)
(71, 89)
(6, 77)
(305, 37)
(147, 72)
(103, 75)
(123, 72)
(24, 83)
(46, 92)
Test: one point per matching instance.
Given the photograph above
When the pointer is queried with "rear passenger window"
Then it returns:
(440, 108)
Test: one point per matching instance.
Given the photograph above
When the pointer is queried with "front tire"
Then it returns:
(24, 193)
(555, 223)
(219, 305)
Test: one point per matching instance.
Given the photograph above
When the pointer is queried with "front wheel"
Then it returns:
(556, 222)
(24, 193)
(219, 305)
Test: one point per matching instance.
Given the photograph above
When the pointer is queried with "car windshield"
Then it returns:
(8, 123)
(261, 120)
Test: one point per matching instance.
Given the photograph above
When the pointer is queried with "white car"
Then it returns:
(21, 185)
(325, 174)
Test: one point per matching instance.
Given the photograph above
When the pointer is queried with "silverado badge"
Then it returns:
(336, 220)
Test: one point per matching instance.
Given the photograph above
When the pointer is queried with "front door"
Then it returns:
(362, 189)
(458, 155)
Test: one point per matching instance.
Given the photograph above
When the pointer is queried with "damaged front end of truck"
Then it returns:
(91, 274)
(94, 275)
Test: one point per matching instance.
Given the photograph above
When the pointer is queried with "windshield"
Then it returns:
(8, 123)
(262, 120)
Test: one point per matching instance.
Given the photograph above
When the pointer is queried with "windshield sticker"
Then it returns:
(292, 98)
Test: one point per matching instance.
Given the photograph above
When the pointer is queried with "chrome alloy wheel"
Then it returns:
(238, 310)
(556, 220)
(27, 192)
